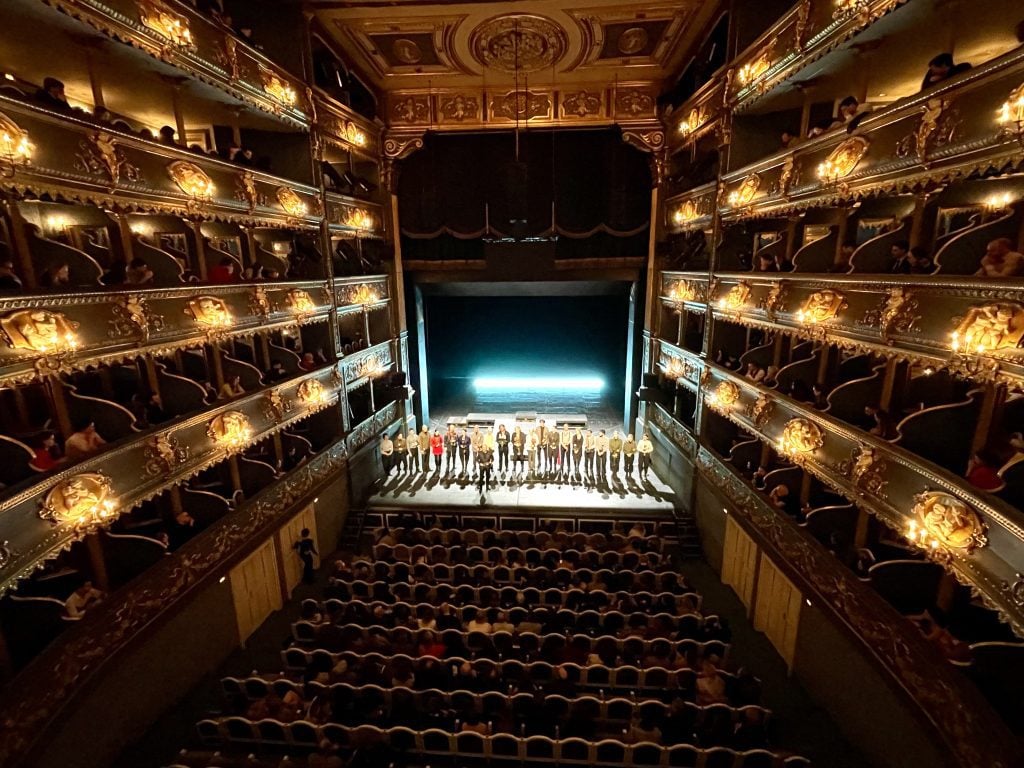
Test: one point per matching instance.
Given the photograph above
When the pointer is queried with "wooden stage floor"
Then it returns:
(433, 491)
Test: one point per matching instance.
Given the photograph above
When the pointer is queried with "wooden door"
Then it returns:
(256, 589)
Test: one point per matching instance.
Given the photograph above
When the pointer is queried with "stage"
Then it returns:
(399, 492)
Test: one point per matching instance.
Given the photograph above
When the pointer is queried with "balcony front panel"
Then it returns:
(184, 38)
(362, 367)
(702, 113)
(61, 332)
(977, 537)
(77, 161)
(693, 209)
(342, 127)
(971, 327)
(350, 215)
(362, 433)
(361, 293)
(947, 132)
(40, 521)
(678, 364)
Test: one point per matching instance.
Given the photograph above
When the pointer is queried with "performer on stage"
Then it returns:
(564, 451)
(629, 453)
(502, 440)
(464, 446)
(553, 443)
(387, 451)
(601, 446)
(645, 448)
(484, 462)
(589, 446)
(615, 452)
(577, 452)
(400, 453)
(412, 445)
(533, 452)
(476, 442)
(451, 445)
(541, 431)
(518, 449)
(436, 448)
(425, 451)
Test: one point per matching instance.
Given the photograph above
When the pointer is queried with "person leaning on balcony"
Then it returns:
(82, 599)
(51, 95)
(942, 68)
(983, 471)
(231, 388)
(1001, 260)
(224, 272)
(44, 447)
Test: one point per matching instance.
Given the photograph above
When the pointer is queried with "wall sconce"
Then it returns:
(372, 368)
(193, 181)
(312, 394)
(799, 438)
(735, 299)
(724, 397)
(15, 148)
(83, 500)
(820, 308)
(274, 86)
(230, 430)
(362, 294)
(164, 22)
(693, 121)
(752, 70)
(300, 304)
(1000, 202)
(293, 204)
(686, 213)
(358, 218)
(1010, 115)
(842, 160)
(674, 369)
(743, 195)
(355, 135)
(40, 331)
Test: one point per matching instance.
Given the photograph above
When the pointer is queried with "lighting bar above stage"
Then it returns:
(538, 383)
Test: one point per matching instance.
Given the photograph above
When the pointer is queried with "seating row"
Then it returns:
(533, 556)
(490, 537)
(656, 680)
(471, 749)
(648, 579)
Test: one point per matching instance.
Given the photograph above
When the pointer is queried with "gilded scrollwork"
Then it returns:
(799, 437)
(990, 328)
(518, 42)
(582, 104)
(761, 411)
(634, 102)
(132, 316)
(460, 108)
(247, 192)
(521, 105)
(82, 500)
(775, 300)
(99, 153)
(259, 302)
(275, 407)
(936, 128)
(866, 470)
(949, 521)
(896, 315)
(163, 454)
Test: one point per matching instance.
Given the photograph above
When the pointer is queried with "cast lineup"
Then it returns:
(566, 455)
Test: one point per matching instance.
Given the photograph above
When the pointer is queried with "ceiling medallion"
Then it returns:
(406, 51)
(518, 43)
(521, 105)
(632, 41)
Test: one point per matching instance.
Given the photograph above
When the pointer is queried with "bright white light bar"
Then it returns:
(539, 383)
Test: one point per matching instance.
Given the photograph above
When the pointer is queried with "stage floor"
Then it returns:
(420, 490)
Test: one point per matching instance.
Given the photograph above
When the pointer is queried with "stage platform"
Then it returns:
(431, 491)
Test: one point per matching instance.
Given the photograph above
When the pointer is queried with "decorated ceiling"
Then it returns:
(452, 62)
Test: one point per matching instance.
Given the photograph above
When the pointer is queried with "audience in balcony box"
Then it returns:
(182, 530)
(1001, 260)
(9, 280)
(942, 68)
(783, 263)
(755, 373)
(45, 448)
(849, 114)
(308, 362)
(84, 442)
(138, 272)
(55, 276)
(766, 263)
(882, 423)
(983, 471)
(789, 138)
(224, 272)
(52, 96)
(276, 372)
(231, 388)
(82, 599)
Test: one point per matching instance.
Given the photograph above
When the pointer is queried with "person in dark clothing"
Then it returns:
(52, 96)
(942, 68)
(306, 548)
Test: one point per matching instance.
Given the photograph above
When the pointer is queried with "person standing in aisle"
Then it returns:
(451, 446)
(628, 454)
(615, 452)
(306, 548)
(518, 449)
(601, 447)
(425, 449)
(464, 446)
(387, 451)
(437, 448)
(501, 440)
(646, 449)
(400, 453)
(577, 452)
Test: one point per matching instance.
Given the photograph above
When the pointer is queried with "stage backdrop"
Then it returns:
(535, 336)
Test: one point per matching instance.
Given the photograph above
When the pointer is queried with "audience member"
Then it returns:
(55, 276)
(942, 68)
(52, 96)
(1001, 260)
(138, 272)
(900, 252)
(983, 471)
(83, 442)
(81, 600)
(167, 136)
(44, 446)
(231, 388)
(224, 272)
(789, 138)
(9, 280)
(307, 362)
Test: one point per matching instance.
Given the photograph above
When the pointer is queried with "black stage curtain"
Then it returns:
(568, 183)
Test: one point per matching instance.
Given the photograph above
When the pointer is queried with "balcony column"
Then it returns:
(127, 236)
(95, 80)
(97, 562)
(990, 416)
(176, 84)
(60, 404)
(792, 230)
(919, 220)
(197, 233)
(21, 246)
(213, 356)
